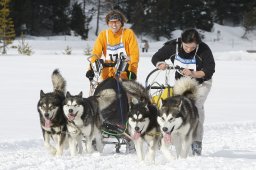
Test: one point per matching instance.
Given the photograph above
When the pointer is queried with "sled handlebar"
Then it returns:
(177, 68)
(169, 67)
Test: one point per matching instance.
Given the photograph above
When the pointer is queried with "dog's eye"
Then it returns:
(170, 120)
(75, 105)
(52, 107)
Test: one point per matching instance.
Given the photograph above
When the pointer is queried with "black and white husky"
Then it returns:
(179, 118)
(53, 122)
(143, 128)
(84, 120)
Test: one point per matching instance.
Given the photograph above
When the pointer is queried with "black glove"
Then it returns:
(131, 75)
(90, 74)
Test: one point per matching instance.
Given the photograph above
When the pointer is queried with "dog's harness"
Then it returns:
(79, 129)
(63, 130)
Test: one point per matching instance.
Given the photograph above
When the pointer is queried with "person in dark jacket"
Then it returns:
(196, 59)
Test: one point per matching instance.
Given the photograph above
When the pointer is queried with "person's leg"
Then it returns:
(203, 92)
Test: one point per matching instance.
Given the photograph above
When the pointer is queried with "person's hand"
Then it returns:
(90, 74)
(162, 66)
(187, 72)
(131, 75)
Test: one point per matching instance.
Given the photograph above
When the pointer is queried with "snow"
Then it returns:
(230, 125)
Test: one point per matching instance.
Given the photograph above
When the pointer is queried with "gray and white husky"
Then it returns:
(178, 118)
(143, 128)
(84, 120)
(52, 120)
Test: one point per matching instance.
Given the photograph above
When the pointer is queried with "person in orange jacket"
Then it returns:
(113, 43)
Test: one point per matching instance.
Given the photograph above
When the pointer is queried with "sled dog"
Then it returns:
(143, 128)
(53, 122)
(84, 120)
(178, 118)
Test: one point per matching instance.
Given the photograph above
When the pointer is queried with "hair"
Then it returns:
(117, 15)
(190, 36)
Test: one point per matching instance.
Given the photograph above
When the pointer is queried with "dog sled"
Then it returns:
(114, 127)
(159, 83)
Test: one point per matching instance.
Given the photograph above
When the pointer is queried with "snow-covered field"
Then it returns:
(230, 126)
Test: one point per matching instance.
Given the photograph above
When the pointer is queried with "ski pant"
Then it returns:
(203, 92)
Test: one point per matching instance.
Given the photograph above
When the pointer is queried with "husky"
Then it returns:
(84, 120)
(115, 115)
(178, 118)
(143, 128)
(53, 122)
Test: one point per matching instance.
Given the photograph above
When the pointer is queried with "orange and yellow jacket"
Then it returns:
(131, 48)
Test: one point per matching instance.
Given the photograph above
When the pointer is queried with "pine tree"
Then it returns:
(78, 20)
(60, 9)
(7, 33)
(249, 21)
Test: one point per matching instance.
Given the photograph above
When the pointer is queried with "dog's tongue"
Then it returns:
(47, 123)
(71, 117)
(167, 138)
(136, 136)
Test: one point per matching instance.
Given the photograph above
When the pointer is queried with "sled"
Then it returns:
(159, 84)
(112, 132)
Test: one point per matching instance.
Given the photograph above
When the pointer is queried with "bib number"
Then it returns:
(114, 57)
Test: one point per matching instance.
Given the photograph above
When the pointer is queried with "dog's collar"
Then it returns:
(52, 130)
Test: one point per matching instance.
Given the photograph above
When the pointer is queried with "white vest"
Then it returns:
(114, 52)
(185, 63)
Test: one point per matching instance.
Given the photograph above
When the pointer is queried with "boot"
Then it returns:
(197, 148)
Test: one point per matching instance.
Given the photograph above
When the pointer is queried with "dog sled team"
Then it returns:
(120, 107)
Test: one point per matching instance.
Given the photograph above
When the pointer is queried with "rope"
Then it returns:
(119, 99)
(117, 134)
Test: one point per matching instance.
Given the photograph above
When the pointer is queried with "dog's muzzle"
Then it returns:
(165, 129)
(71, 115)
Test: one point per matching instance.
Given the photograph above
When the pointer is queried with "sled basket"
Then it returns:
(159, 84)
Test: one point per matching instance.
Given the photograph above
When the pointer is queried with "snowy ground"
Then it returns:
(230, 126)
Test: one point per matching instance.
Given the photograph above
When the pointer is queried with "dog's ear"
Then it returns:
(134, 100)
(80, 94)
(42, 94)
(131, 105)
(180, 104)
(68, 94)
(162, 102)
(146, 106)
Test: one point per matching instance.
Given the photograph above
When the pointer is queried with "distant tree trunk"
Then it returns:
(98, 18)
(84, 6)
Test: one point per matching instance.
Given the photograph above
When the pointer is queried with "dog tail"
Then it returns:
(136, 90)
(105, 98)
(186, 86)
(58, 82)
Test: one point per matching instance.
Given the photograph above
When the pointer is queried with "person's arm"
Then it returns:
(208, 63)
(98, 47)
(133, 51)
(194, 74)
(163, 54)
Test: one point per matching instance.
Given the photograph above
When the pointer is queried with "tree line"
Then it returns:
(156, 18)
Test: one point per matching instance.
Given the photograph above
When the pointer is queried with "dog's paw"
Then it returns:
(59, 152)
(52, 150)
(89, 149)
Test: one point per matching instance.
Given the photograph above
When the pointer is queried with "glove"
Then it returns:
(90, 74)
(131, 75)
